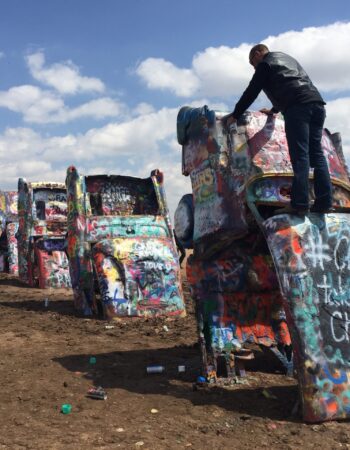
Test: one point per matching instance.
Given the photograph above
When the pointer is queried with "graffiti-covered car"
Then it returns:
(260, 277)
(9, 228)
(119, 234)
(42, 214)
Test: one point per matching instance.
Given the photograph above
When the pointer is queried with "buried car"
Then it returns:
(121, 246)
(9, 226)
(260, 277)
(42, 214)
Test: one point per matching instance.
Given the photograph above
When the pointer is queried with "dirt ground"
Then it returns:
(45, 362)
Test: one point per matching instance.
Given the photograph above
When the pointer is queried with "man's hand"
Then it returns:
(268, 112)
(228, 120)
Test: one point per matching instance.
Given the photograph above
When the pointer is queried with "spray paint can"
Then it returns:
(155, 369)
(66, 408)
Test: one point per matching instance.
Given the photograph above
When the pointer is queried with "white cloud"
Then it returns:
(97, 109)
(160, 74)
(64, 77)
(143, 108)
(47, 106)
(321, 51)
(31, 101)
(42, 106)
(224, 72)
(149, 140)
(133, 137)
(338, 113)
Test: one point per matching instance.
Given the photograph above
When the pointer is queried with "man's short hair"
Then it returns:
(258, 48)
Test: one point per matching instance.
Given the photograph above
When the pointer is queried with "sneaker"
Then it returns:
(301, 212)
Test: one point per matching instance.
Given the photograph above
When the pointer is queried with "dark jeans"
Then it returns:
(304, 124)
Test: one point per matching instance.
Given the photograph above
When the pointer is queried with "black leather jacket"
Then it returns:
(284, 82)
(288, 82)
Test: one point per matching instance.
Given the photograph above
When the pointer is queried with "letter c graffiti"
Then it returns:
(339, 315)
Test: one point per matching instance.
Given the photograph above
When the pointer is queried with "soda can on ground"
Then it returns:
(155, 369)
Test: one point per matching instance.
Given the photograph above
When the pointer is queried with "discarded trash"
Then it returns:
(211, 376)
(181, 369)
(92, 360)
(139, 444)
(267, 394)
(201, 383)
(97, 392)
(66, 408)
(155, 369)
(119, 430)
(201, 379)
(46, 302)
(109, 327)
(231, 381)
(165, 328)
(154, 411)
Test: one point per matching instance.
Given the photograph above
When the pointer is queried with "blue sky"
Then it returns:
(98, 84)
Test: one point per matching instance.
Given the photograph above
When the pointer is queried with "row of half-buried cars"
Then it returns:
(108, 237)
(118, 238)
(261, 278)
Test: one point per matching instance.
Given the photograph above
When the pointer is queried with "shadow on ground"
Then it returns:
(62, 307)
(9, 281)
(127, 370)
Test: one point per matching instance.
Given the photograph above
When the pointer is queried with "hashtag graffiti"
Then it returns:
(317, 251)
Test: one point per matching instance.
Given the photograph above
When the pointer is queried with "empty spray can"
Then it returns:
(97, 393)
(66, 408)
(92, 360)
(155, 369)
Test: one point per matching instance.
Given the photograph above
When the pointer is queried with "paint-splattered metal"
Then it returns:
(120, 238)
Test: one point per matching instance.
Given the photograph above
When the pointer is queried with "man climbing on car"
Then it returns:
(291, 92)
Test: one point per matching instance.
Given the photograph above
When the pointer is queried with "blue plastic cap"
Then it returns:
(201, 379)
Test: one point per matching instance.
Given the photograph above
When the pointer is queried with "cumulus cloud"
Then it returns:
(138, 137)
(338, 113)
(224, 71)
(143, 108)
(65, 77)
(34, 103)
(133, 147)
(160, 74)
(42, 106)
(97, 109)
(321, 51)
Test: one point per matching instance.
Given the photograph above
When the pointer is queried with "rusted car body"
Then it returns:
(121, 246)
(9, 228)
(42, 214)
(297, 287)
